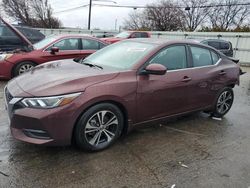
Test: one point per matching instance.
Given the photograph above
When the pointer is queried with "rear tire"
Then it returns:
(23, 67)
(223, 103)
(99, 127)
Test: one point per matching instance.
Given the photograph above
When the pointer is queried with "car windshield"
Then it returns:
(41, 44)
(123, 35)
(122, 56)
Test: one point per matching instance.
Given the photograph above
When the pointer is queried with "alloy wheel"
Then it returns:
(24, 68)
(224, 102)
(101, 128)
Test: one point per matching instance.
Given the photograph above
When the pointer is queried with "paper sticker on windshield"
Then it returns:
(136, 49)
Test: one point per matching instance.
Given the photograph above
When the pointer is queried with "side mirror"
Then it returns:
(156, 69)
(54, 50)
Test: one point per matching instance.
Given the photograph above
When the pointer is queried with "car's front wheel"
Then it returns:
(99, 127)
(224, 102)
(23, 67)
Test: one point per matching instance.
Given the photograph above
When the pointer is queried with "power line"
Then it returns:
(137, 7)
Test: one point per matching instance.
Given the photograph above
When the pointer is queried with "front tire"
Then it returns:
(23, 67)
(224, 102)
(99, 127)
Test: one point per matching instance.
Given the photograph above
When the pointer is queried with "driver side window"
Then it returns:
(66, 44)
(173, 57)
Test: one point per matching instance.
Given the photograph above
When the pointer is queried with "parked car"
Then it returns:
(222, 45)
(127, 35)
(123, 85)
(9, 41)
(49, 49)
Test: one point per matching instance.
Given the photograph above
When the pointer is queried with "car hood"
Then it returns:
(58, 77)
(18, 33)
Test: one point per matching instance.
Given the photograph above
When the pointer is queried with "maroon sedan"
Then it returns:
(49, 49)
(125, 84)
(127, 35)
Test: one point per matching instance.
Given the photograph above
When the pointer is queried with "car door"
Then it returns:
(164, 95)
(90, 46)
(206, 76)
(69, 48)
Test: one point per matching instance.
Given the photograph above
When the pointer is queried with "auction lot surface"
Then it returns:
(193, 151)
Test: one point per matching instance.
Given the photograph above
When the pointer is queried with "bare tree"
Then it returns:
(226, 17)
(137, 21)
(161, 16)
(35, 13)
(165, 16)
(195, 13)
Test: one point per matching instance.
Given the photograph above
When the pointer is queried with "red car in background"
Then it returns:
(49, 49)
(127, 35)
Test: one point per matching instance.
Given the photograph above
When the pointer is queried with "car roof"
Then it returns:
(203, 39)
(164, 41)
(62, 36)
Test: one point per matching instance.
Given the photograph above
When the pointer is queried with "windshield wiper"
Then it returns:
(93, 65)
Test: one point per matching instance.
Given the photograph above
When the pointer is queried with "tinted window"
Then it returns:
(214, 44)
(172, 57)
(88, 44)
(29, 32)
(215, 57)
(139, 35)
(144, 35)
(201, 56)
(67, 44)
(5, 31)
(224, 45)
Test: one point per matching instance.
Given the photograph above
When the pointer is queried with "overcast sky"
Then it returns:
(102, 17)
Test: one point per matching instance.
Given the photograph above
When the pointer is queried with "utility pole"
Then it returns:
(90, 6)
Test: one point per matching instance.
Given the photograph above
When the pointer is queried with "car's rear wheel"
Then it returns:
(224, 102)
(99, 127)
(23, 67)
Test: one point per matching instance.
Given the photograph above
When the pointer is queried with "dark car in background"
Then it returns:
(223, 46)
(9, 41)
(125, 84)
(52, 48)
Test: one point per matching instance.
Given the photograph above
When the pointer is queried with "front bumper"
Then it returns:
(40, 126)
(5, 70)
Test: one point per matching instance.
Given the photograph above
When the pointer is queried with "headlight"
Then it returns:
(49, 102)
(5, 56)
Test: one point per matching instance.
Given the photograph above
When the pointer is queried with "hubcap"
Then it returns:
(24, 68)
(224, 102)
(101, 128)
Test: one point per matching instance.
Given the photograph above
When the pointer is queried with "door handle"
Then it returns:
(222, 72)
(186, 79)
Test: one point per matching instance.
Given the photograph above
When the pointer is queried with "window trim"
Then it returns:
(163, 48)
(209, 49)
(46, 48)
(99, 42)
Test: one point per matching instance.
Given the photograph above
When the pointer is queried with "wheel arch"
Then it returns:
(16, 64)
(114, 102)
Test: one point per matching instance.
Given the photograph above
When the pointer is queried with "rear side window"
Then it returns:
(139, 35)
(214, 44)
(215, 57)
(88, 44)
(173, 57)
(224, 46)
(201, 56)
